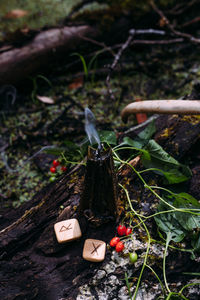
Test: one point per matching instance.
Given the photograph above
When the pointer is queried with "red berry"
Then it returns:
(121, 230)
(128, 231)
(56, 163)
(52, 169)
(119, 247)
(63, 168)
(114, 241)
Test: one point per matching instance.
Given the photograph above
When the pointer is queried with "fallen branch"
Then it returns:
(18, 63)
(162, 107)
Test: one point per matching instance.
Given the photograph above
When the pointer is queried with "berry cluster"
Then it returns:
(115, 242)
(54, 168)
(119, 245)
(55, 164)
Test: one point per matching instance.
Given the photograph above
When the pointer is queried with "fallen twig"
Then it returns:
(195, 20)
(124, 46)
(158, 42)
(117, 46)
(116, 60)
(171, 28)
(181, 7)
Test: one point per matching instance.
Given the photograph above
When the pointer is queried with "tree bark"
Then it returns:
(33, 264)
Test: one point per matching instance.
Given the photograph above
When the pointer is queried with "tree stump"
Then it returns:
(33, 265)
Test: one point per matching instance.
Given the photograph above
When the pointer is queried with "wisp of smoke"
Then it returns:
(90, 128)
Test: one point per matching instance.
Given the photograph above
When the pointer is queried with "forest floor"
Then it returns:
(157, 72)
(30, 123)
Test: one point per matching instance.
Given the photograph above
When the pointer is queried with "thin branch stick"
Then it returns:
(148, 31)
(181, 7)
(162, 107)
(195, 20)
(110, 49)
(116, 60)
(171, 28)
(103, 45)
(158, 42)
(124, 46)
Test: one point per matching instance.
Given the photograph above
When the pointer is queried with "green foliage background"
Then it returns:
(41, 13)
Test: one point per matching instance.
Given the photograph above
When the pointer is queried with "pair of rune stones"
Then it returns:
(69, 230)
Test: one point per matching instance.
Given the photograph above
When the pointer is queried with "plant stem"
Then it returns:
(142, 220)
(164, 262)
(72, 162)
(187, 285)
(152, 270)
(153, 192)
(148, 244)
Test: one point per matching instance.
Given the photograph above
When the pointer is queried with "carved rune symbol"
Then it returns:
(64, 228)
(95, 248)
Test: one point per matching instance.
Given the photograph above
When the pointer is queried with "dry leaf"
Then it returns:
(16, 13)
(25, 30)
(77, 83)
(45, 99)
(163, 21)
(127, 169)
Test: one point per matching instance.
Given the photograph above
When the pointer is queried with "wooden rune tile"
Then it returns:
(67, 230)
(94, 250)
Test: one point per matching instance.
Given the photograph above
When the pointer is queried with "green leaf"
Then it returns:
(137, 143)
(147, 133)
(187, 220)
(180, 223)
(70, 145)
(165, 164)
(159, 153)
(85, 68)
(55, 151)
(93, 59)
(108, 137)
(196, 243)
(140, 141)
(174, 176)
(190, 199)
(191, 273)
(128, 285)
(74, 152)
(168, 224)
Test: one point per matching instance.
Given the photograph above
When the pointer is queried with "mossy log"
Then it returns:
(33, 265)
(176, 134)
